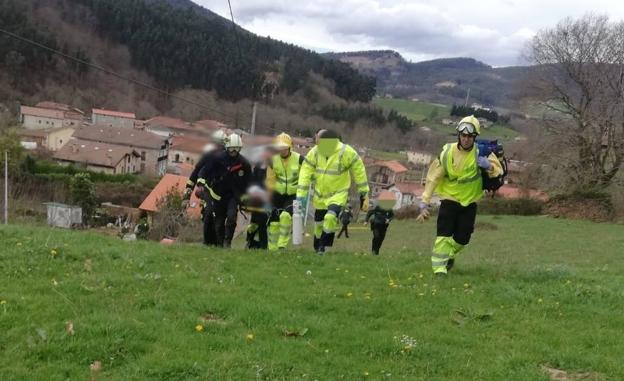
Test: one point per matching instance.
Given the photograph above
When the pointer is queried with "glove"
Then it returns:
(303, 202)
(424, 212)
(187, 194)
(484, 163)
(364, 202)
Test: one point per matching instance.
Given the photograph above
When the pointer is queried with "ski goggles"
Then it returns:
(234, 149)
(467, 128)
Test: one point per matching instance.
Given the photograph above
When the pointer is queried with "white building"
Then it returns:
(39, 118)
(113, 118)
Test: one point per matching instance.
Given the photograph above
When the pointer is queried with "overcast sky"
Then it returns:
(492, 31)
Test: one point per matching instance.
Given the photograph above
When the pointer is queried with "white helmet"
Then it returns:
(234, 141)
(219, 137)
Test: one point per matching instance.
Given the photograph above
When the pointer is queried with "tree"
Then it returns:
(580, 79)
(83, 194)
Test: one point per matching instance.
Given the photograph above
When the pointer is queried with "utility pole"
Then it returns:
(253, 118)
(6, 187)
(467, 96)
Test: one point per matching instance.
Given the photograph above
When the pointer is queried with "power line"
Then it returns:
(240, 54)
(110, 72)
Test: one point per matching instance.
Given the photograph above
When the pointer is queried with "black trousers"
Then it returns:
(226, 211)
(379, 234)
(261, 220)
(457, 221)
(282, 203)
(210, 236)
(326, 239)
(345, 229)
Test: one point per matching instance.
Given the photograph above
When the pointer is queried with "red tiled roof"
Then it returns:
(193, 144)
(166, 121)
(122, 136)
(508, 191)
(410, 188)
(42, 112)
(393, 165)
(168, 182)
(210, 124)
(117, 114)
(95, 153)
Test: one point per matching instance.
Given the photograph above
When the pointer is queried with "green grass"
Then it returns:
(531, 291)
(384, 155)
(421, 112)
(416, 110)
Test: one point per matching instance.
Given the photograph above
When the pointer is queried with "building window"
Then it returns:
(142, 167)
(143, 155)
(177, 158)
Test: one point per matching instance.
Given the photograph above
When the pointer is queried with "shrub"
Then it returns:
(516, 206)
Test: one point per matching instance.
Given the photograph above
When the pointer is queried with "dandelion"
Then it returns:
(466, 285)
(349, 294)
(19, 244)
(365, 373)
(539, 300)
(54, 282)
(250, 336)
(199, 327)
(326, 350)
(3, 302)
(53, 253)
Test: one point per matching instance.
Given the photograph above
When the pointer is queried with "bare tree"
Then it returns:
(579, 76)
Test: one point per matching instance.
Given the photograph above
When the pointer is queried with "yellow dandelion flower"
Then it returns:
(466, 285)
(2, 302)
(250, 336)
(19, 244)
(199, 327)
(539, 300)
(365, 373)
(349, 294)
(53, 253)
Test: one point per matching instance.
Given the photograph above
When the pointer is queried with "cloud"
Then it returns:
(494, 32)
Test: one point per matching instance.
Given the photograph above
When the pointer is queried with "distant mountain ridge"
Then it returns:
(444, 80)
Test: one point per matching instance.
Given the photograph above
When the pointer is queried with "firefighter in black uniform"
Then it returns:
(224, 181)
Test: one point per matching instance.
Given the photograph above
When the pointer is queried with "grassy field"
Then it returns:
(384, 155)
(529, 293)
(431, 115)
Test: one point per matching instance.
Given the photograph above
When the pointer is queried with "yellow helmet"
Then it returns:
(283, 141)
(469, 124)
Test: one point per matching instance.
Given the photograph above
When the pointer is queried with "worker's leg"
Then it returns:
(220, 215)
(210, 237)
(285, 221)
(464, 227)
(274, 230)
(319, 215)
(252, 231)
(380, 233)
(330, 225)
(346, 229)
(230, 223)
(443, 247)
(262, 222)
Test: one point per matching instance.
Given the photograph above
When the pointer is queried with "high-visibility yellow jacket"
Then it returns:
(332, 176)
(283, 174)
(455, 175)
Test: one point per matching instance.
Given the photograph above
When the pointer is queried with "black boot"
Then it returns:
(449, 264)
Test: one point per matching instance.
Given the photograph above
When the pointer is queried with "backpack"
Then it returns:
(485, 148)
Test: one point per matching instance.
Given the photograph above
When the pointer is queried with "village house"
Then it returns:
(153, 149)
(167, 126)
(419, 158)
(407, 193)
(384, 174)
(187, 149)
(52, 139)
(112, 159)
(111, 118)
(40, 118)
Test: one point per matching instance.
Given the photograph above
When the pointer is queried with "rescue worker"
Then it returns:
(345, 218)
(282, 180)
(207, 211)
(379, 219)
(331, 164)
(456, 176)
(258, 205)
(226, 179)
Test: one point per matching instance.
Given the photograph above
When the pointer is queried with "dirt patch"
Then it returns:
(562, 375)
(211, 318)
(595, 210)
(485, 226)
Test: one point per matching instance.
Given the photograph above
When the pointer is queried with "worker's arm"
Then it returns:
(390, 215)
(190, 184)
(358, 171)
(496, 168)
(308, 168)
(369, 214)
(434, 176)
(269, 183)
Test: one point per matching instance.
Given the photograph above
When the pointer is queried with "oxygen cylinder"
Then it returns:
(297, 232)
